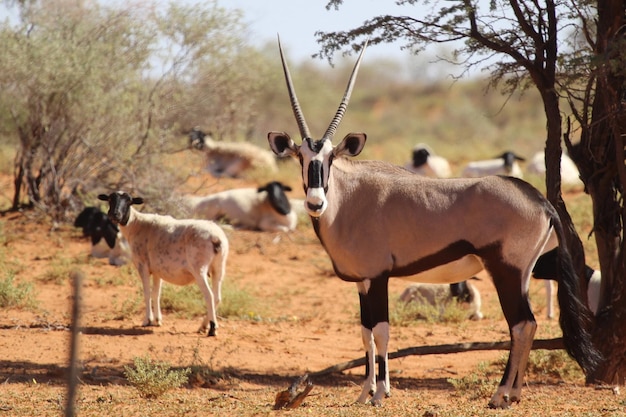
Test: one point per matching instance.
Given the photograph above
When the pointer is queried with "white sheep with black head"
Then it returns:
(231, 159)
(425, 163)
(505, 164)
(265, 208)
(177, 251)
(106, 239)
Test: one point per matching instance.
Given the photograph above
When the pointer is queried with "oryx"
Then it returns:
(376, 221)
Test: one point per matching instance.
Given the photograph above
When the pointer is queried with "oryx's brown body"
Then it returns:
(377, 221)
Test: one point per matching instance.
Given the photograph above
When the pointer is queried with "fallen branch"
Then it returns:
(547, 344)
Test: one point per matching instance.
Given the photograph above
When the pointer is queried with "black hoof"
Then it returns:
(212, 329)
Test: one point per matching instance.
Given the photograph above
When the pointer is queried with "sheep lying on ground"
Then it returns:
(545, 268)
(106, 239)
(231, 159)
(505, 164)
(424, 162)
(436, 294)
(177, 251)
(266, 208)
(569, 172)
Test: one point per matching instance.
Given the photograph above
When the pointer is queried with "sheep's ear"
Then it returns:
(286, 187)
(282, 145)
(351, 145)
(519, 158)
(103, 197)
(261, 189)
(137, 200)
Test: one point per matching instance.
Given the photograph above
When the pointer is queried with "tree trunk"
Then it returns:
(600, 157)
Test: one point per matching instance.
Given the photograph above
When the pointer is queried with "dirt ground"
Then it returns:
(306, 320)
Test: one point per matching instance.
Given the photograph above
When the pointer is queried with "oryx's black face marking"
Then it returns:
(316, 159)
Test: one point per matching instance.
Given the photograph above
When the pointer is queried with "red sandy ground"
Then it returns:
(308, 321)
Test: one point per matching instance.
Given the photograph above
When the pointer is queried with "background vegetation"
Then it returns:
(117, 96)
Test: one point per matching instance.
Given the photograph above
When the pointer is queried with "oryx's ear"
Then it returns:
(281, 144)
(137, 200)
(351, 145)
(103, 197)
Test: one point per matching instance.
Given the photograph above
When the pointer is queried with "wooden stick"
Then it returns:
(547, 344)
(72, 385)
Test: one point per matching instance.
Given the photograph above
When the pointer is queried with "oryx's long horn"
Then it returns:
(297, 111)
(330, 132)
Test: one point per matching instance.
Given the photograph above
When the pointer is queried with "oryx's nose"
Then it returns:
(315, 202)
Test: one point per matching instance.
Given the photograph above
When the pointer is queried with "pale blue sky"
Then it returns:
(297, 21)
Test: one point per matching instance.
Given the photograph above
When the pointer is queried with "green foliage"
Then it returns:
(188, 302)
(554, 363)
(105, 109)
(444, 311)
(477, 385)
(16, 295)
(153, 379)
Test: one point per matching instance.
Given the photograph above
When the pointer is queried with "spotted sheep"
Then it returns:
(231, 159)
(377, 220)
(505, 164)
(177, 251)
(265, 208)
(424, 162)
(106, 239)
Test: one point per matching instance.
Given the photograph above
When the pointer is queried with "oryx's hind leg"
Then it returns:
(374, 301)
(512, 288)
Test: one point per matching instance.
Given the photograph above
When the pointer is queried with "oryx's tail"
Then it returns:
(575, 318)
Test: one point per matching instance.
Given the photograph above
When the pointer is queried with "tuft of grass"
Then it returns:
(60, 270)
(153, 379)
(20, 295)
(478, 385)
(555, 364)
(188, 302)
(130, 307)
(444, 311)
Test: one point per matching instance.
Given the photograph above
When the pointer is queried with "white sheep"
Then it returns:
(425, 163)
(436, 294)
(505, 164)
(232, 159)
(569, 172)
(177, 251)
(106, 239)
(266, 208)
(545, 268)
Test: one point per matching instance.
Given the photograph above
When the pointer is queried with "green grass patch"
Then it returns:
(188, 302)
(445, 310)
(153, 379)
(16, 295)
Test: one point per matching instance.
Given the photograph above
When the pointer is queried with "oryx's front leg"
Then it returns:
(373, 297)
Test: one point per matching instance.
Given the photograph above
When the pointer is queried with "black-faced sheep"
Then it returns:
(505, 164)
(266, 208)
(425, 163)
(177, 251)
(231, 159)
(106, 239)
